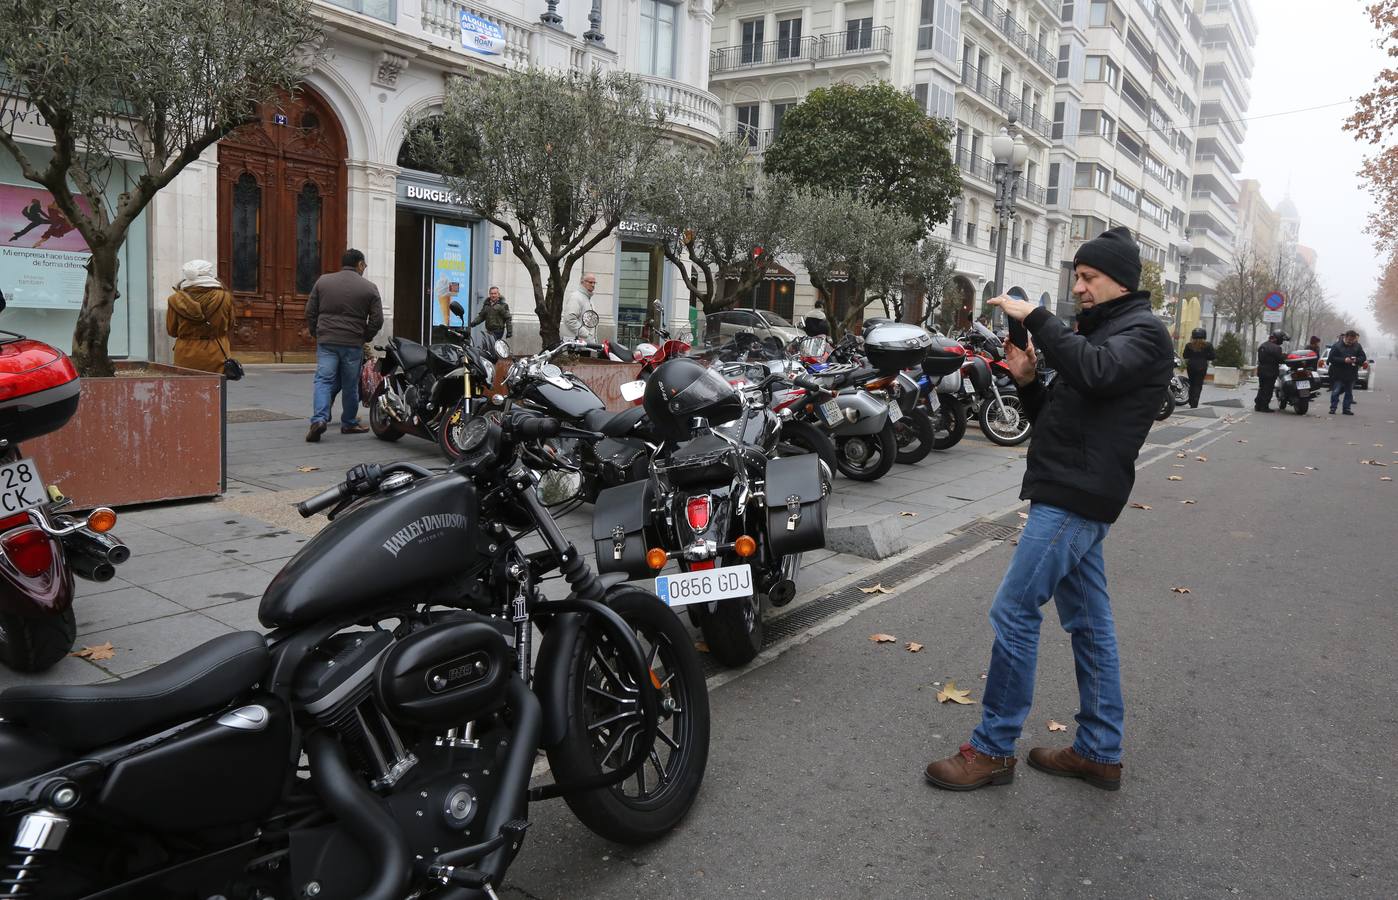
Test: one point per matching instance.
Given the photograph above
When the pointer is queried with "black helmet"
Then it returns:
(1198, 334)
(681, 389)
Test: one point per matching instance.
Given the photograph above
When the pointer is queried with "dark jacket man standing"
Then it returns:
(1270, 357)
(1089, 425)
(495, 315)
(1198, 353)
(1346, 356)
(343, 312)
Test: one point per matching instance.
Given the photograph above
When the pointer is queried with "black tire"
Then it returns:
(949, 424)
(1167, 407)
(806, 437)
(998, 428)
(36, 643)
(613, 812)
(379, 423)
(879, 452)
(915, 435)
(734, 630)
(1302, 406)
(448, 437)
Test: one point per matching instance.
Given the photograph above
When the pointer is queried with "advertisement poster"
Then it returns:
(451, 272)
(481, 35)
(42, 255)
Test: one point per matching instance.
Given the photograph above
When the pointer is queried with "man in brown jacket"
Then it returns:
(344, 312)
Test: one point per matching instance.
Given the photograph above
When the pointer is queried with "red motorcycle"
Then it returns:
(41, 548)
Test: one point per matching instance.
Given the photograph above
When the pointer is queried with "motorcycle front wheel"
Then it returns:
(605, 721)
(949, 424)
(383, 427)
(36, 643)
(915, 435)
(449, 435)
(1004, 421)
(867, 457)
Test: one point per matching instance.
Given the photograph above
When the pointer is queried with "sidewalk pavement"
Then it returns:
(199, 569)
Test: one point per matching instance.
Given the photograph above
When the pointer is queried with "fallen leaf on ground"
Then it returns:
(1177, 465)
(1351, 443)
(1139, 506)
(1378, 445)
(1189, 502)
(907, 513)
(1181, 590)
(1179, 456)
(1385, 478)
(950, 693)
(1202, 458)
(308, 468)
(1302, 474)
(701, 647)
(984, 676)
(1280, 468)
(1057, 726)
(1373, 462)
(96, 653)
(1242, 440)
(882, 638)
(877, 589)
(914, 646)
(1176, 478)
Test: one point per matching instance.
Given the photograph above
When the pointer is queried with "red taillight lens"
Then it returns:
(30, 551)
(14, 521)
(696, 510)
(702, 565)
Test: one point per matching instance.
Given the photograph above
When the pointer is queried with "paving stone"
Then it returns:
(172, 513)
(69, 670)
(125, 606)
(228, 527)
(143, 540)
(84, 588)
(211, 589)
(168, 564)
(240, 615)
(146, 644)
(271, 545)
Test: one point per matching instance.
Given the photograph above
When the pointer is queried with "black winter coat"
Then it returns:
(1198, 360)
(1090, 423)
(1339, 369)
(1269, 359)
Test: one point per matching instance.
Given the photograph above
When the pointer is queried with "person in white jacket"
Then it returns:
(578, 302)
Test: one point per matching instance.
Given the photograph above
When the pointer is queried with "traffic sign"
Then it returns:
(1272, 315)
(1275, 301)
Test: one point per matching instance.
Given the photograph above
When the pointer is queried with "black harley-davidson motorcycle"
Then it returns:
(720, 502)
(420, 388)
(378, 743)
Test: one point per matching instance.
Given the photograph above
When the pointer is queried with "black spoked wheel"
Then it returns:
(916, 436)
(449, 437)
(379, 422)
(867, 457)
(949, 424)
(1167, 407)
(36, 643)
(1004, 420)
(605, 724)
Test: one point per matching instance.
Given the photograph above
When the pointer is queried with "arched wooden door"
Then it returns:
(281, 222)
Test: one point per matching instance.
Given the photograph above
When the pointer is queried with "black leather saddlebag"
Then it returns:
(619, 526)
(796, 504)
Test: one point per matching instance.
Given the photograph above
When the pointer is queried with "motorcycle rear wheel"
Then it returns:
(1302, 405)
(603, 726)
(734, 631)
(379, 423)
(803, 437)
(949, 424)
(36, 643)
(879, 451)
(1010, 429)
(1167, 407)
(915, 435)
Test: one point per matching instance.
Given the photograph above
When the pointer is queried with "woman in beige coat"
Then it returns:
(199, 317)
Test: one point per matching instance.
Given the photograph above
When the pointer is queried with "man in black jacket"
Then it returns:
(1346, 356)
(1269, 362)
(1089, 425)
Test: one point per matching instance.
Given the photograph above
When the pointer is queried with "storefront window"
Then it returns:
(247, 233)
(308, 254)
(638, 273)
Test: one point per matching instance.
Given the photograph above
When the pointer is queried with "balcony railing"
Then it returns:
(984, 169)
(442, 18)
(756, 140)
(836, 45)
(984, 86)
(1017, 35)
(683, 104)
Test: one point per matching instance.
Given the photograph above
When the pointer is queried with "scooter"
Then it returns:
(1297, 383)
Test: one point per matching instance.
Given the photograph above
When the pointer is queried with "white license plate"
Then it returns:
(1303, 385)
(684, 588)
(21, 487)
(832, 414)
(895, 412)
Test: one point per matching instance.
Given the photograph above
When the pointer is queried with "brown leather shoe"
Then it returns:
(1065, 763)
(969, 769)
(354, 429)
(316, 430)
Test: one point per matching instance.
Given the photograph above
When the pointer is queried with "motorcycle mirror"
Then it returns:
(590, 318)
(457, 309)
(632, 391)
(556, 487)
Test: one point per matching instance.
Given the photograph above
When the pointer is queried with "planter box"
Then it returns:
(152, 433)
(603, 376)
(1226, 376)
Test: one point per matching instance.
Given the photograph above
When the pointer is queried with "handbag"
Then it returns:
(232, 369)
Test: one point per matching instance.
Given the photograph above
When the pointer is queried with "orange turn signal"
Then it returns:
(656, 558)
(101, 520)
(745, 546)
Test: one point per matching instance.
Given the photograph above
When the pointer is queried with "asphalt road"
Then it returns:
(1260, 729)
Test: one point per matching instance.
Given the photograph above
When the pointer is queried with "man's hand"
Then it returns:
(1023, 364)
(1014, 308)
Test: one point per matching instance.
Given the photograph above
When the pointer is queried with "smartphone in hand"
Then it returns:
(1019, 335)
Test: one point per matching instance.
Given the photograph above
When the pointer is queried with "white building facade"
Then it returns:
(277, 204)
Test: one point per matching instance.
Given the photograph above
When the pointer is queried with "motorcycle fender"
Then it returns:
(551, 676)
(907, 392)
(981, 379)
(873, 414)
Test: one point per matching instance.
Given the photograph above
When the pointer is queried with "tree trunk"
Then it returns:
(551, 313)
(95, 318)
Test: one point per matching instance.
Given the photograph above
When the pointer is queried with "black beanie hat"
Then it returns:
(1114, 254)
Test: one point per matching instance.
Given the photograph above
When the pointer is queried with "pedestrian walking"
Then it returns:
(1269, 362)
(494, 314)
(576, 307)
(199, 316)
(1198, 353)
(343, 313)
(1346, 356)
(1089, 426)
(1313, 345)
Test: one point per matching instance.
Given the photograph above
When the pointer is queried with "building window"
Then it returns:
(1082, 175)
(1100, 68)
(1064, 60)
(1058, 112)
(859, 33)
(1105, 14)
(789, 39)
(1124, 193)
(779, 111)
(247, 234)
(920, 95)
(1053, 184)
(752, 41)
(378, 9)
(1067, 14)
(748, 123)
(658, 38)
(308, 252)
(1085, 227)
(927, 25)
(1096, 122)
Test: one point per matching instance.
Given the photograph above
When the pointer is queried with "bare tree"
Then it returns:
(552, 160)
(129, 95)
(1241, 292)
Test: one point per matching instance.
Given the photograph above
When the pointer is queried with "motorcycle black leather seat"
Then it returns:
(613, 424)
(411, 353)
(83, 717)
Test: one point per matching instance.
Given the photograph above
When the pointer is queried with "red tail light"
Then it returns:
(696, 510)
(30, 551)
(14, 521)
(702, 565)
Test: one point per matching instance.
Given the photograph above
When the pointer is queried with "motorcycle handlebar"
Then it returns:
(323, 501)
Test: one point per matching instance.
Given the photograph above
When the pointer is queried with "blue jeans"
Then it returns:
(337, 369)
(1338, 387)
(1059, 556)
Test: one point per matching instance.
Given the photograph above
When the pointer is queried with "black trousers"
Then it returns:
(1265, 384)
(1196, 387)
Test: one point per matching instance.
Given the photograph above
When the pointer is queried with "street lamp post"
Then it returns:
(1185, 249)
(1010, 153)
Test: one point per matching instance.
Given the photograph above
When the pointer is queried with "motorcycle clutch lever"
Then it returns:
(581, 434)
